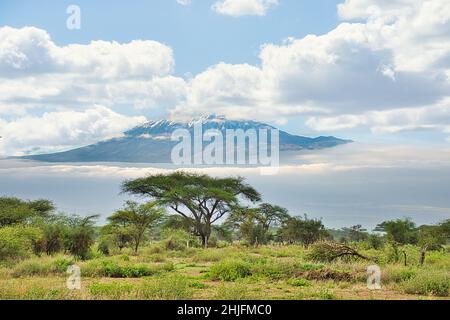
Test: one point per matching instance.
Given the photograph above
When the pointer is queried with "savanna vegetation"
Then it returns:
(198, 237)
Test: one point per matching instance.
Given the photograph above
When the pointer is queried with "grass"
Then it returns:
(231, 272)
(425, 283)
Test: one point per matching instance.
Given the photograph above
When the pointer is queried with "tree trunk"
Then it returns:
(423, 253)
(395, 247)
(404, 254)
(205, 241)
(137, 242)
(205, 232)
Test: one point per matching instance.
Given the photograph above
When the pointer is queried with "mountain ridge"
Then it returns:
(151, 142)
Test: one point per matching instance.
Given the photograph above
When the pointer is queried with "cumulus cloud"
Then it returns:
(56, 131)
(237, 8)
(33, 69)
(435, 117)
(395, 59)
(386, 66)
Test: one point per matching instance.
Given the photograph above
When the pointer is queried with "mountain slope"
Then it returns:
(150, 143)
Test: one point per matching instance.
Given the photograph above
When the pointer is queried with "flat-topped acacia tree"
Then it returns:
(202, 198)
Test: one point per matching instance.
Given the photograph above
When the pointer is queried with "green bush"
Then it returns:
(230, 270)
(114, 290)
(436, 284)
(208, 255)
(16, 241)
(40, 293)
(171, 287)
(115, 269)
(299, 282)
(237, 291)
(42, 266)
(177, 239)
(274, 269)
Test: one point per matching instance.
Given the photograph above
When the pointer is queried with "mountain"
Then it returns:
(151, 142)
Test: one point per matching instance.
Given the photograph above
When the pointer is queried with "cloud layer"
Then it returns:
(388, 72)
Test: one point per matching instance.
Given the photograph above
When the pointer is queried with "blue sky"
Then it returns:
(374, 71)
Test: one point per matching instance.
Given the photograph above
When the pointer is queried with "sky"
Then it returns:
(374, 71)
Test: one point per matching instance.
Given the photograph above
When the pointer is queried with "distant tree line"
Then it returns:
(184, 209)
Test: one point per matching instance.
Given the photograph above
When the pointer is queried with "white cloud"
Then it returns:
(184, 2)
(363, 9)
(56, 131)
(34, 70)
(385, 67)
(237, 8)
(394, 64)
(434, 117)
(30, 50)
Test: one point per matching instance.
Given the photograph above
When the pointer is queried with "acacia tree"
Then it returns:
(304, 230)
(202, 198)
(16, 211)
(430, 238)
(254, 223)
(81, 235)
(137, 219)
(356, 233)
(399, 232)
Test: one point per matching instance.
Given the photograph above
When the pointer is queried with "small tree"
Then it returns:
(430, 238)
(399, 232)
(303, 230)
(357, 233)
(137, 219)
(254, 224)
(16, 211)
(375, 241)
(81, 235)
(54, 232)
(445, 229)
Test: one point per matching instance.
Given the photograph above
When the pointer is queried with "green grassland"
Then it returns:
(230, 271)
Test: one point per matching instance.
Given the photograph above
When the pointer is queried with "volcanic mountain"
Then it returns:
(151, 142)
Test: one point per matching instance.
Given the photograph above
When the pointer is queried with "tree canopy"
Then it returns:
(203, 198)
(15, 211)
(136, 219)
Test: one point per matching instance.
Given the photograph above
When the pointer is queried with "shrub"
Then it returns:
(172, 287)
(52, 240)
(42, 266)
(177, 239)
(436, 284)
(103, 247)
(113, 269)
(40, 293)
(375, 242)
(230, 270)
(281, 270)
(299, 282)
(16, 241)
(324, 294)
(114, 290)
(81, 236)
(237, 291)
(208, 255)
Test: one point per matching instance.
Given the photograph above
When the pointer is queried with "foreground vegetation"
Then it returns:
(212, 247)
(232, 272)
